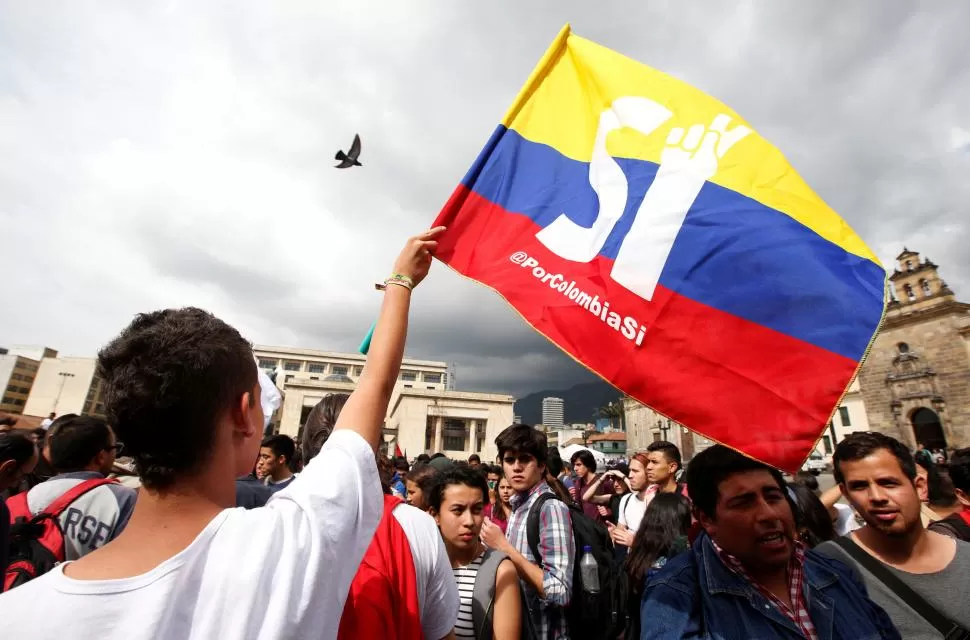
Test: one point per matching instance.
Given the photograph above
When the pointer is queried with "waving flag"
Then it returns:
(645, 229)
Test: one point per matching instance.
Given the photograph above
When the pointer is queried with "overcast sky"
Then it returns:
(160, 154)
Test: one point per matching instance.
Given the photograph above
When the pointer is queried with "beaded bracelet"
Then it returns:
(400, 278)
(399, 283)
(396, 279)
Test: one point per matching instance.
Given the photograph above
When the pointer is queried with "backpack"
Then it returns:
(625, 614)
(587, 614)
(37, 542)
(483, 594)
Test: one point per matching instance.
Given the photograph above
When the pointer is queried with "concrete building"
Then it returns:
(644, 425)
(559, 437)
(916, 379)
(612, 445)
(850, 417)
(424, 416)
(456, 423)
(17, 375)
(309, 365)
(553, 412)
(34, 352)
(66, 385)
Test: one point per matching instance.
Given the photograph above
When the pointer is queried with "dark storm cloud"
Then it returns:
(181, 153)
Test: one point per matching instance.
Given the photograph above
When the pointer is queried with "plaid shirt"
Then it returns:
(557, 548)
(796, 575)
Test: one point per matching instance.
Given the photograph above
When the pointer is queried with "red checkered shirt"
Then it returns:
(796, 577)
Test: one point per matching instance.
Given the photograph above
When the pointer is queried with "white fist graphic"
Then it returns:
(682, 152)
(687, 162)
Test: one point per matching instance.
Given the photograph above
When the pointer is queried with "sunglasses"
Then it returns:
(522, 459)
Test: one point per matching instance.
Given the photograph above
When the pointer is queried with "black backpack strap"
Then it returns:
(532, 524)
(624, 503)
(950, 629)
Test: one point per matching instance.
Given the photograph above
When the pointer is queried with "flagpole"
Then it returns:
(365, 344)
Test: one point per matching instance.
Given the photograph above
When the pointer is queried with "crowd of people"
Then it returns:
(176, 518)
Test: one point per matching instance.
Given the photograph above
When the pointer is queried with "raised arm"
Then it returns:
(590, 495)
(367, 406)
(830, 496)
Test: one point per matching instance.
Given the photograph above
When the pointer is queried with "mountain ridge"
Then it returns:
(581, 402)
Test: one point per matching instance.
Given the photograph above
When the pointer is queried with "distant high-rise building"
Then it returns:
(553, 411)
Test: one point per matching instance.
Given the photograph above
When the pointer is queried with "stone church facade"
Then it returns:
(916, 379)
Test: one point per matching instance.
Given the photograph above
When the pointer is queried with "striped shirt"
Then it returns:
(465, 577)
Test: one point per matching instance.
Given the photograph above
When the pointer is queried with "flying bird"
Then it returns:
(349, 159)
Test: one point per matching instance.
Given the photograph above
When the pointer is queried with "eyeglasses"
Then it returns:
(118, 447)
(523, 459)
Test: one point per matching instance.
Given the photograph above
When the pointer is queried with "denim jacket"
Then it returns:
(696, 596)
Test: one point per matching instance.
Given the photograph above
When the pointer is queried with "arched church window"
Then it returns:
(909, 265)
(925, 286)
(903, 347)
(909, 292)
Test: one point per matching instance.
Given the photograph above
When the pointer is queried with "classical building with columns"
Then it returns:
(456, 423)
(916, 379)
(425, 414)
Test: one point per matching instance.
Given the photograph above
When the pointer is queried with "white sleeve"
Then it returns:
(439, 613)
(331, 511)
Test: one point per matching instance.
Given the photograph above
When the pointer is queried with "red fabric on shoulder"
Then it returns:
(383, 599)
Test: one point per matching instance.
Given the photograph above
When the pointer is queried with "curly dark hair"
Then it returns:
(457, 475)
(168, 378)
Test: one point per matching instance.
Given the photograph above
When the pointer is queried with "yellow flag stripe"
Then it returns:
(577, 79)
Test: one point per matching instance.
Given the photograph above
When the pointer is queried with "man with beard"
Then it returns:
(901, 562)
(747, 575)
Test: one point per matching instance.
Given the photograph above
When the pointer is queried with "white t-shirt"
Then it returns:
(437, 589)
(282, 571)
(632, 509)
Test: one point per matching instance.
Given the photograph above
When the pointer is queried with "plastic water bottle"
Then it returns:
(589, 571)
